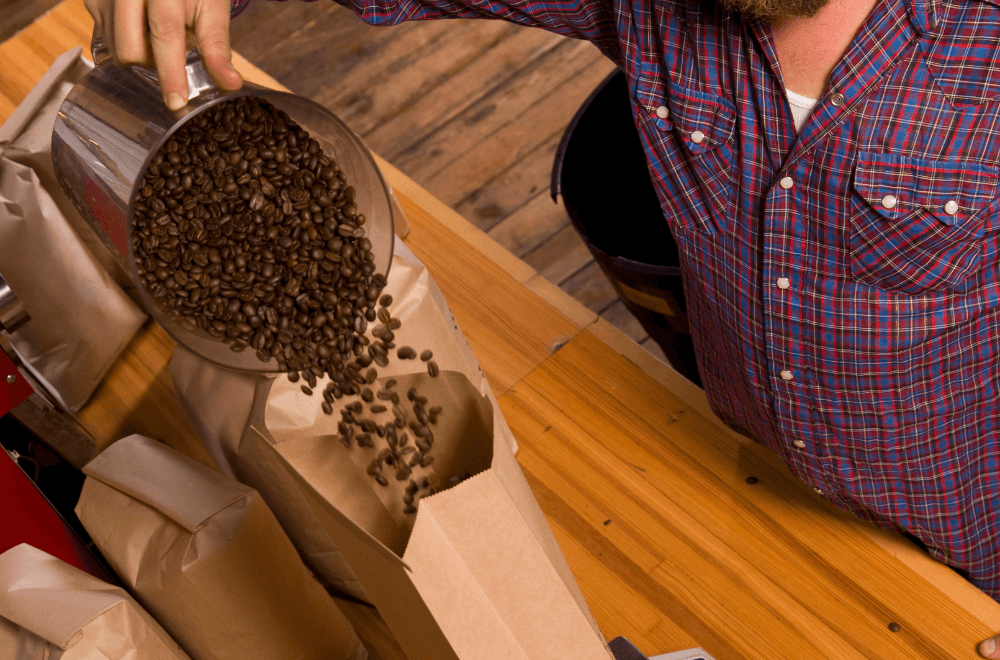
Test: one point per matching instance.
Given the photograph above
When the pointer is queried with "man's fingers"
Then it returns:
(212, 30)
(988, 649)
(130, 42)
(167, 37)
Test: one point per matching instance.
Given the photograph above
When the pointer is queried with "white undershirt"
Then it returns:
(802, 107)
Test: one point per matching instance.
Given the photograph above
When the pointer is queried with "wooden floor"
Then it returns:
(471, 110)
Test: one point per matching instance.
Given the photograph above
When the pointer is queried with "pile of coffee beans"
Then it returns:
(245, 229)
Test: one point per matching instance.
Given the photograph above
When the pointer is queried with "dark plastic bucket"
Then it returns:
(600, 170)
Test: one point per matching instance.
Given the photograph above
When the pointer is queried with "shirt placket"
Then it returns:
(787, 266)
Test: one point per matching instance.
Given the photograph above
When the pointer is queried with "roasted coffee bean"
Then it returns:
(385, 300)
(377, 408)
(406, 353)
(367, 394)
(411, 393)
(327, 408)
(426, 461)
(306, 390)
(399, 413)
(409, 508)
(383, 315)
(415, 461)
(424, 482)
(432, 368)
(426, 355)
(229, 236)
(371, 375)
(385, 395)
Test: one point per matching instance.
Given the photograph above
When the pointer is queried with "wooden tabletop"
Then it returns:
(646, 491)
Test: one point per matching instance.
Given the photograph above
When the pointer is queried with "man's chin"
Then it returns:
(775, 10)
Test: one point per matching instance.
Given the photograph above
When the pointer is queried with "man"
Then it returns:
(830, 174)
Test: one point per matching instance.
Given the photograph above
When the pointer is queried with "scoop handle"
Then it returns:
(198, 79)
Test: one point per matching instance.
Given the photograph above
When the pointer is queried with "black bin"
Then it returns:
(600, 170)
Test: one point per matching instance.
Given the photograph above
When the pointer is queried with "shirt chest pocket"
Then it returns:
(917, 225)
(688, 138)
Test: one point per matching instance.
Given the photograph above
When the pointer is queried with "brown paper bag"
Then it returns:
(50, 610)
(476, 573)
(81, 319)
(218, 403)
(206, 556)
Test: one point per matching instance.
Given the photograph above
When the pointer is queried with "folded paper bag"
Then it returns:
(50, 610)
(207, 558)
(81, 319)
(476, 573)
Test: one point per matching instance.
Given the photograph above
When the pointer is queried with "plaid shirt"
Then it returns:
(842, 283)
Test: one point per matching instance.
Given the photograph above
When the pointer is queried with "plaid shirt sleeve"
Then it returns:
(842, 281)
(579, 19)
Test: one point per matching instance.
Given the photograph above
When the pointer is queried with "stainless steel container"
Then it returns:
(114, 121)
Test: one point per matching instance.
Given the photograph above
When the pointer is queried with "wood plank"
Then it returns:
(137, 396)
(736, 556)
(502, 127)
(321, 50)
(591, 287)
(18, 14)
(530, 226)
(453, 96)
(617, 314)
(560, 257)
(410, 66)
(650, 345)
(262, 26)
(512, 188)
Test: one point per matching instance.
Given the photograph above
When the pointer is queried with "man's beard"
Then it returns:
(775, 9)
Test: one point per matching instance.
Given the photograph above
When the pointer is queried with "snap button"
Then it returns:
(662, 112)
(837, 99)
(697, 137)
(799, 443)
(889, 201)
(783, 283)
(786, 182)
(951, 207)
(786, 374)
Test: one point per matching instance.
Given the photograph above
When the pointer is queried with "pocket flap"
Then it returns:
(898, 185)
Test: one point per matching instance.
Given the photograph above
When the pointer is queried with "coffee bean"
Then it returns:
(426, 461)
(384, 394)
(409, 508)
(382, 481)
(306, 390)
(426, 355)
(385, 300)
(216, 232)
(368, 395)
(327, 408)
(377, 408)
(432, 368)
(411, 393)
(406, 353)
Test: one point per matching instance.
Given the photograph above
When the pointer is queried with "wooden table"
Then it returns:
(646, 491)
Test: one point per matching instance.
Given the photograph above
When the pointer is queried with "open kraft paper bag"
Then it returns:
(206, 557)
(50, 610)
(219, 403)
(476, 573)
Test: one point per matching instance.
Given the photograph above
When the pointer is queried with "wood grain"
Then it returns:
(737, 567)
(645, 491)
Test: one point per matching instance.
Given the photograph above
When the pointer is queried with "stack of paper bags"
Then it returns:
(50, 610)
(207, 558)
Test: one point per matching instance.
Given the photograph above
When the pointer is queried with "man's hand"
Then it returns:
(990, 648)
(124, 25)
